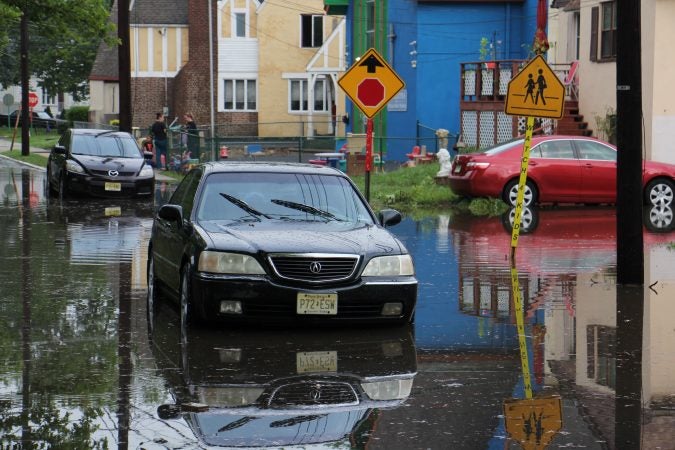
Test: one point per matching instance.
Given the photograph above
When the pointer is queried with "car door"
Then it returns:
(556, 170)
(170, 239)
(598, 171)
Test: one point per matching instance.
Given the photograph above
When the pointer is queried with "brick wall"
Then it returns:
(148, 98)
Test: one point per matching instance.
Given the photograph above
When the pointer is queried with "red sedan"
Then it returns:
(562, 169)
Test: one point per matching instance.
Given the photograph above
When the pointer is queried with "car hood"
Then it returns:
(276, 236)
(110, 163)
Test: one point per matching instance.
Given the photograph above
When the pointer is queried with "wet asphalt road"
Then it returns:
(80, 368)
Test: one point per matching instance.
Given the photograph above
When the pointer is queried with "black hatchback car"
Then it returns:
(100, 163)
(278, 242)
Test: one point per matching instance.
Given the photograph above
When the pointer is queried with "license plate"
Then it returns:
(458, 168)
(113, 186)
(113, 211)
(316, 361)
(325, 304)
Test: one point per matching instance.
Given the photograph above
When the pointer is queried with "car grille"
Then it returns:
(312, 393)
(314, 268)
(104, 173)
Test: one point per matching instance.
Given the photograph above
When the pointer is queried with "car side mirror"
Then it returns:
(60, 149)
(389, 217)
(171, 212)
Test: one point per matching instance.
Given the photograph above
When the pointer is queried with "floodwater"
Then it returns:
(550, 354)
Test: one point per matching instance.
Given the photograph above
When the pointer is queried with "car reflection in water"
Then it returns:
(277, 388)
(555, 245)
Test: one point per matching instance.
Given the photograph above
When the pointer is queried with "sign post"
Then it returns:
(370, 83)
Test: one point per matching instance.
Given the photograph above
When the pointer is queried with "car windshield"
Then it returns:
(111, 145)
(503, 146)
(283, 196)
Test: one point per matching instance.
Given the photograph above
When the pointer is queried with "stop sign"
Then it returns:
(370, 92)
(32, 99)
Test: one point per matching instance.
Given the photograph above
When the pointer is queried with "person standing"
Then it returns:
(158, 132)
(192, 135)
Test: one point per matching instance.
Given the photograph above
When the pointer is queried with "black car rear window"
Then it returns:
(281, 196)
(105, 145)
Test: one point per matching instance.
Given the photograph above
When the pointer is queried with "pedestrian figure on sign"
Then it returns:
(530, 88)
(541, 85)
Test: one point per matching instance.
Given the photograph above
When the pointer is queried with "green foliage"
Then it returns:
(77, 114)
(484, 50)
(115, 122)
(64, 37)
(487, 207)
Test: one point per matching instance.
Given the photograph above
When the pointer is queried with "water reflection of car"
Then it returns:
(99, 163)
(554, 239)
(281, 242)
(562, 169)
(281, 388)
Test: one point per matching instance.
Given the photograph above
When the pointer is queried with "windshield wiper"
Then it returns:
(243, 205)
(305, 208)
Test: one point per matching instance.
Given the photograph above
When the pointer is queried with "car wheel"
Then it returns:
(63, 189)
(659, 219)
(153, 294)
(185, 298)
(511, 193)
(529, 219)
(660, 192)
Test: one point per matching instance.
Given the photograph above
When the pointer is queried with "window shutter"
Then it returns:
(595, 14)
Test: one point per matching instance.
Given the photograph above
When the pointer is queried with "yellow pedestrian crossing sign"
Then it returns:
(536, 91)
(533, 422)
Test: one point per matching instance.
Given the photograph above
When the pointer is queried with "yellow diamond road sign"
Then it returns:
(533, 422)
(536, 91)
(370, 83)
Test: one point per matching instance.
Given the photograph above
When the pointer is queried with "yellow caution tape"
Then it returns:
(520, 325)
(524, 163)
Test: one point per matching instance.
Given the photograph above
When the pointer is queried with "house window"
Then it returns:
(240, 24)
(603, 32)
(299, 95)
(48, 99)
(608, 33)
(240, 95)
(312, 30)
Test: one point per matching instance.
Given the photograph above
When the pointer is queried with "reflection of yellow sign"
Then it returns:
(533, 422)
(536, 91)
(370, 83)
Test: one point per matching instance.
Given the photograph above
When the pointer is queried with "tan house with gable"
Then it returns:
(275, 67)
(586, 31)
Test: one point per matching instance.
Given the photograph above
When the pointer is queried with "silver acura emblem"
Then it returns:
(315, 392)
(113, 173)
(315, 267)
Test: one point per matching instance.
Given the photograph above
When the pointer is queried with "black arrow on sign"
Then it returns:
(371, 63)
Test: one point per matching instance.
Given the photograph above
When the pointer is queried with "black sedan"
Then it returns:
(100, 163)
(292, 243)
(38, 119)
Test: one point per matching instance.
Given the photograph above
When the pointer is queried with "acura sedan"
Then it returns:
(100, 163)
(562, 169)
(278, 242)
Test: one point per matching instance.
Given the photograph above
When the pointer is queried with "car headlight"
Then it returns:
(72, 166)
(388, 389)
(231, 263)
(384, 266)
(146, 171)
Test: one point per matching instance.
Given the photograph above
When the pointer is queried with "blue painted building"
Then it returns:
(425, 41)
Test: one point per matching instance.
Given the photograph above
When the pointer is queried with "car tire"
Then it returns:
(185, 298)
(63, 188)
(659, 192)
(48, 184)
(659, 219)
(510, 193)
(153, 295)
(529, 220)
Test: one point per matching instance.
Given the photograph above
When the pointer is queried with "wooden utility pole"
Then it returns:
(629, 242)
(25, 89)
(124, 63)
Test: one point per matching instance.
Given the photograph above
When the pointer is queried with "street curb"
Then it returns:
(18, 161)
